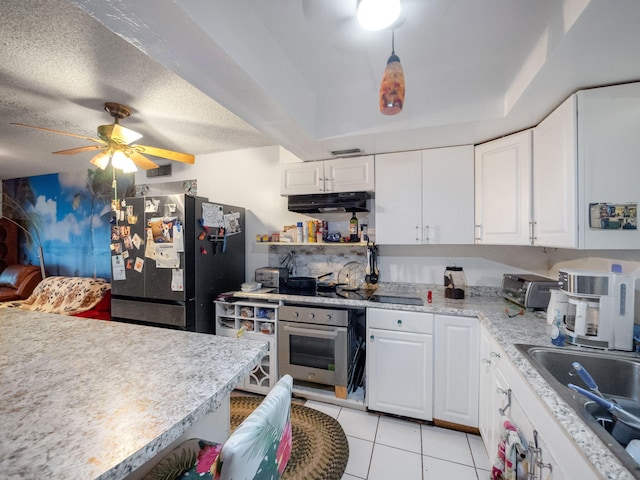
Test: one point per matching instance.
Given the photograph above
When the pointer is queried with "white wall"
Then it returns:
(245, 178)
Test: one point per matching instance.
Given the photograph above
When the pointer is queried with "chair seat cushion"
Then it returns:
(182, 463)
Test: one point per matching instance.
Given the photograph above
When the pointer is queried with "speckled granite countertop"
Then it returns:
(85, 399)
(489, 307)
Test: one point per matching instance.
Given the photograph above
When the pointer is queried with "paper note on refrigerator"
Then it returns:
(177, 283)
(212, 215)
(167, 256)
(117, 267)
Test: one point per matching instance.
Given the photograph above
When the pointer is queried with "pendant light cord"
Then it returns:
(393, 41)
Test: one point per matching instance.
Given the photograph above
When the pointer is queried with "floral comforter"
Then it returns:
(66, 295)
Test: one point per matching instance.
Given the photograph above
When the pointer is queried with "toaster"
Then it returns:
(529, 291)
(274, 277)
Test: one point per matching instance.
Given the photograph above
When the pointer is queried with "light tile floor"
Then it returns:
(382, 447)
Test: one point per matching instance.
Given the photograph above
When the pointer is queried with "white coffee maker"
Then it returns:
(599, 311)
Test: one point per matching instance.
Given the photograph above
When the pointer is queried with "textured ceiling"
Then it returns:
(299, 73)
(58, 68)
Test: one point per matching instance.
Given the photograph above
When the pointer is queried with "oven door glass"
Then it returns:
(314, 353)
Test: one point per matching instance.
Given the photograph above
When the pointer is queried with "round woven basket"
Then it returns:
(320, 447)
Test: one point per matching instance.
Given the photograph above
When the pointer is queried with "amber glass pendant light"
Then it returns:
(392, 85)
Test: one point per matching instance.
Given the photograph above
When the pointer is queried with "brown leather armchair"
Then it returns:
(18, 281)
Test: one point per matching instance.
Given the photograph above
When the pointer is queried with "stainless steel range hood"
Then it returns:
(329, 202)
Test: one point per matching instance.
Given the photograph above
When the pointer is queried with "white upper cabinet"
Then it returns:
(586, 171)
(399, 198)
(425, 197)
(503, 190)
(555, 176)
(609, 166)
(329, 176)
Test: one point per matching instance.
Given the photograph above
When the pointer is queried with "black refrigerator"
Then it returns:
(171, 255)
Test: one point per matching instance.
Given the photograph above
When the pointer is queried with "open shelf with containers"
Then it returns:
(255, 321)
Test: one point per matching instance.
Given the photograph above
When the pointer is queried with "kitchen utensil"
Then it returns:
(367, 270)
(587, 378)
(352, 274)
(301, 283)
(626, 426)
(375, 273)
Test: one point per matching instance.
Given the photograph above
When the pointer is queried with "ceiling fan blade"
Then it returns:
(142, 161)
(161, 152)
(91, 139)
(73, 151)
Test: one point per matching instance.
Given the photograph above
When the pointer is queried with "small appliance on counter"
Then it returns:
(600, 308)
(455, 283)
(275, 277)
(527, 290)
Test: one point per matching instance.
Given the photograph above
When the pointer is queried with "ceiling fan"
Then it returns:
(115, 144)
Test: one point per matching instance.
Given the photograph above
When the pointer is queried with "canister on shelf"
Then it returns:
(311, 225)
(299, 234)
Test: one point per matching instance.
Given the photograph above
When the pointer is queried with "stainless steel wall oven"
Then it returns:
(318, 345)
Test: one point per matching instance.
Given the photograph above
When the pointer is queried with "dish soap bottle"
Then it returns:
(557, 330)
(353, 228)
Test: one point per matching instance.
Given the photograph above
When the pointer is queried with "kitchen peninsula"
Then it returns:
(90, 399)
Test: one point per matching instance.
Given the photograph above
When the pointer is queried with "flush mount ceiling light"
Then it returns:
(392, 85)
(378, 14)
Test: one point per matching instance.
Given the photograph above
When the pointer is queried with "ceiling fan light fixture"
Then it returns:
(101, 160)
(378, 14)
(121, 161)
(392, 86)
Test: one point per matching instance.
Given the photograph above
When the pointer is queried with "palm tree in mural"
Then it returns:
(100, 191)
(17, 197)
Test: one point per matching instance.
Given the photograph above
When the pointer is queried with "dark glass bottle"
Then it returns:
(353, 228)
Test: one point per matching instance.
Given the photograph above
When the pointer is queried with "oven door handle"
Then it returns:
(308, 332)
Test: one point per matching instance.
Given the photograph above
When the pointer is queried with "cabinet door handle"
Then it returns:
(328, 184)
(417, 234)
(372, 338)
(532, 232)
(426, 234)
(478, 232)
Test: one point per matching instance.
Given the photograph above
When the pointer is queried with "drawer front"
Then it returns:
(149, 312)
(397, 320)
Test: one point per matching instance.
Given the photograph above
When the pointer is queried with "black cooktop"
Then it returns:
(351, 295)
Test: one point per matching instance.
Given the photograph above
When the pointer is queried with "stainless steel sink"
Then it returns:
(617, 375)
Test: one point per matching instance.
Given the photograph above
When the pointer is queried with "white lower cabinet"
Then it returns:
(400, 362)
(457, 343)
(505, 394)
(493, 379)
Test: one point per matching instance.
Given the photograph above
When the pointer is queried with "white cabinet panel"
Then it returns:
(349, 174)
(447, 195)
(336, 175)
(425, 197)
(399, 198)
(609, 152)
(456, 370)
(302, 178)
(400, 363)
(503, 190)
(555, 171)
